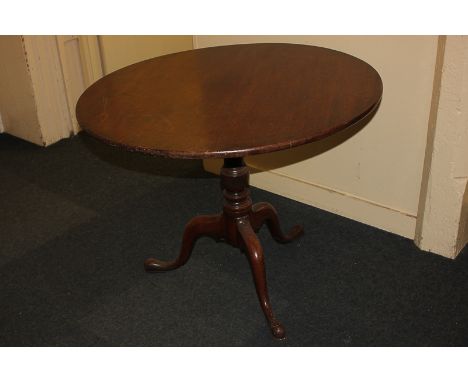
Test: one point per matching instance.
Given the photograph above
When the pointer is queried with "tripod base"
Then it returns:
(237, 225)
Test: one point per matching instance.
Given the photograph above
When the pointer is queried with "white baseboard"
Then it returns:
(335, 201)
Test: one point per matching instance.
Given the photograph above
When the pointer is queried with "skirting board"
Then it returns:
(338, 202)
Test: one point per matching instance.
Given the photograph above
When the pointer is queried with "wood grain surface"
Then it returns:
(230, 101)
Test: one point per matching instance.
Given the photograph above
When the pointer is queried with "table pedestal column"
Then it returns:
(236, 225)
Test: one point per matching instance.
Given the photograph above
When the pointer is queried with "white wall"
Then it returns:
(45, 71)
(2, 128)
(443, 218)
(120, 51)
(41, 78)
(17, 102)
(374, 176)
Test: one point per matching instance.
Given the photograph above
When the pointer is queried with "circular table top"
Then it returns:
(230, 101)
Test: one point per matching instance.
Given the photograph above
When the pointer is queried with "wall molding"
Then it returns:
(45, 70)
(73, 73)
(91, 58)
(195, 42)
(17, 98)
(443, 205)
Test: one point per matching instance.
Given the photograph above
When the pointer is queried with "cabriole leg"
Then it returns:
(254, 252)
(264, 212)
(204, 225)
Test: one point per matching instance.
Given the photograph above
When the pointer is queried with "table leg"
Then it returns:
(205, 225)
(264, 212)
(236, 225)
(254, 252)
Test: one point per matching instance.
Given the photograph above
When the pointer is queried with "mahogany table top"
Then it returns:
(230, 101)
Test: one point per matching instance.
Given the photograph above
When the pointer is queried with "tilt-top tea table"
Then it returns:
(229, 102)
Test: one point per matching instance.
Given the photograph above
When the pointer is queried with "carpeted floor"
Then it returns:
(79, 218)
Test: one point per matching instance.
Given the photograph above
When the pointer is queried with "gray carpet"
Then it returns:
(78, 219)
